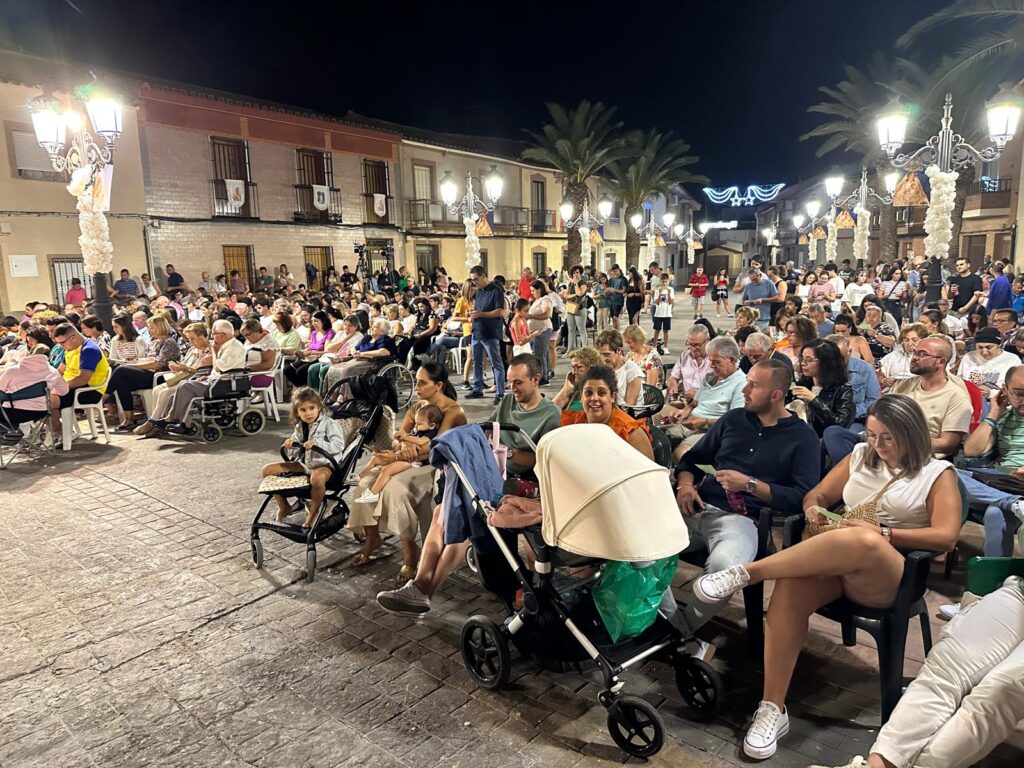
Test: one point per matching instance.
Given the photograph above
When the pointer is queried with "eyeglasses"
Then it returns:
(922, 353)
(698, 345)
(883, 440)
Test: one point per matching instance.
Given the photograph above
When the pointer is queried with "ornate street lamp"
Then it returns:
(61, 130)
(471, 206)
(651, 229)
(941, 156)
(586, 220)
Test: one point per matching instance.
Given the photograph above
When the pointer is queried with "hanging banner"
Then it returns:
(844, 220)
(595, 238)
(320, 197)
(235, 189)
(483, 227)
(101, 189)
(909, 191)
(380, 205)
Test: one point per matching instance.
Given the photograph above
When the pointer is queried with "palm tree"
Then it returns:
(850, 115)
(659, 162)
(996, 32)
(579, 143)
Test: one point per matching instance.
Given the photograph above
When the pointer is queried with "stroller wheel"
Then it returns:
(471, 560)
(310, 565)
(700, 685)
(636, 726)
(485, 652)
(257, 553)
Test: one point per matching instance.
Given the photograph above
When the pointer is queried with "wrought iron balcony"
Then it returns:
(305, 205)
(510, 218)
(542, 221)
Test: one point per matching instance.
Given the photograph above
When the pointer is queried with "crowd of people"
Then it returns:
(839, 386)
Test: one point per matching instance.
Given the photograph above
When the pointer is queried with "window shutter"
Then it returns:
(29, 156)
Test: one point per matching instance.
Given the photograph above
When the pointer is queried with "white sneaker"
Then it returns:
(769, 725)
(716, 587)
(949, 610)
(1018, 509)
(404, 601)
(857, 762)
(368, 497)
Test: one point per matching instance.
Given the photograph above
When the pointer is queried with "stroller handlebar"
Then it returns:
(316, 449)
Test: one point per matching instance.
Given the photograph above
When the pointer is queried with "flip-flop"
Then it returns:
(362, 559)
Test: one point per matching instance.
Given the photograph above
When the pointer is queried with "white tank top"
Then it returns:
(904, 503)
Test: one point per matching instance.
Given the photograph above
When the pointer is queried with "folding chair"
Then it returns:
(28, 437)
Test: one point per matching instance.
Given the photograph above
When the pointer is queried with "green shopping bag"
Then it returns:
(627, 595)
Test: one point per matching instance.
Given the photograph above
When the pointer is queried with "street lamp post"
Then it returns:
(471, 206)
(61, 130)
(586, 220)
(947, 150)
(651, 229)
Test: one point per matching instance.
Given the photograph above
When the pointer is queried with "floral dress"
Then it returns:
(649, 362)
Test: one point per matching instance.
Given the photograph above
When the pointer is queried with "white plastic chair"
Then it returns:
(69, 425)
(268, 391)
(457, 355)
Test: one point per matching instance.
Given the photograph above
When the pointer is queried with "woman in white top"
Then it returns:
(538, 321)
(895, 366)
(630, 378)
(918, 506)
(126, 346)
(987, 365)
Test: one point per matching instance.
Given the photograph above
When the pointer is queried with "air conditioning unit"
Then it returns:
(5, 227)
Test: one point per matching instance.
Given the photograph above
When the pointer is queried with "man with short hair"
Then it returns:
(264, 308)
(526, 279)
(845, 272)
(692, 365)
(535, 415)
(1000, 293)
(721, 391)
(757, 347)
(818, 315)
(863, 381)
(963, 288)
(617, 283)
(663, 299)
(1005, 321)
(206, 284)
(85, 365)
(951, 324)
(838, 285)
(264, 281)
(347, 278)
(125, 288)
(486, 316)
(139, 321)
(763, 456)
(758, 293)
(174, 280)
(228, 355)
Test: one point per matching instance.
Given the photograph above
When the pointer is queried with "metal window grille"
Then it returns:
(63, 269)
(427, 258)
(376, 182)
(375, 253)
(242, 258)
(321, 257)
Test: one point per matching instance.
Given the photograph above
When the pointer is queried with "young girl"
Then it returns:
(519, 328)
(313, 427)
(722, 293)
(427, 423)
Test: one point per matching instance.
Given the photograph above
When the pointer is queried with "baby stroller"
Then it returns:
(371, 396)
(602, 501)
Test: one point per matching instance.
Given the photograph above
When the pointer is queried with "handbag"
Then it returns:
(572, 307)
(866, 510)
(500, 451)
(381, 439)
(520, 349)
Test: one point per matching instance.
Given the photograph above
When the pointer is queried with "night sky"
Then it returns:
(734, 78)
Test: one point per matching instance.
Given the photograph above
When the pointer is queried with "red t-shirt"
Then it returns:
(699, 285)
(524, 288)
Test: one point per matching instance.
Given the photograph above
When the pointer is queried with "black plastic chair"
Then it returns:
(888, 626)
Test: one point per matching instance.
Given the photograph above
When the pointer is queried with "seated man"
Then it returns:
(692, 366)
(942, 396)
(85, 365)
(721, 391)
(757, 347)
(528, 409)
(763, 456)
(999, 436)
(863, 381)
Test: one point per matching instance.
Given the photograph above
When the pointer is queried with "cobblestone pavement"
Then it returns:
(135, 632)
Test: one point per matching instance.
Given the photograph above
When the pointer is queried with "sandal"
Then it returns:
(407, 573)
(361, 559)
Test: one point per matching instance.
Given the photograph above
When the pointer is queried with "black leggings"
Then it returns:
(125, 381)
(298, 372)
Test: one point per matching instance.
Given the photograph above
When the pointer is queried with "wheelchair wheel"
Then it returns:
(636, 726)
(257, 553)
(700, 685)
(403, 381)
(485, 652)
(251, 421)
(191, 430)
(224, 420)
(211, 433)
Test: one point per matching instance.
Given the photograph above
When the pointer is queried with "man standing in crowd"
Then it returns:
(486, 316)
(758, 293)
(525, 281)
(1000, 293)
(175, 280)
(616, 294)
(962, 289)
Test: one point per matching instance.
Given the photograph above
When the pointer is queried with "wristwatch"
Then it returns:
(886, 532)
(751, 485)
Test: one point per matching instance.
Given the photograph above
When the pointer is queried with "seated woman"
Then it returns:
(580, 360)
(297, 370)
(369, 355)
(261, 352)
(406, 501)
(599, 395)
(799, 330)
(987, 365)
(338, 349)
(880, 335)
(198, 359)
(895, 366)
(918, 507)
(284, 333)
(161, 350)
(823, 386)
(643, 354)
(845, 326)
(126, 346)
(32, 369)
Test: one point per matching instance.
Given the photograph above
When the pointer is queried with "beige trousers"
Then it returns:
(968, 696)
(405, 507)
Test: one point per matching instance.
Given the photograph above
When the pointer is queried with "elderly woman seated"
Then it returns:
(369, 355)
(198, 360)
(916, 505)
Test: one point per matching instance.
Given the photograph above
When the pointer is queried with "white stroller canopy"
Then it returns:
(602, 498)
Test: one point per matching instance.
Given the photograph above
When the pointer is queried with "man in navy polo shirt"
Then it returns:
(488, 312)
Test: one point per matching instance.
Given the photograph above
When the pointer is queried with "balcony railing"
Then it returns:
(431, 214)
(509, 218)
(370, 216)
(223, 208)
(988, 186)
(542, 221)
(305, 205)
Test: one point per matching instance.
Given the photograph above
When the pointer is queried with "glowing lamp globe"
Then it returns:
(891, 180)
(449, 189)
(494, 184)
(678, 230)
(813, 208)
(636, 220)
(566, 210)
(892, 126)
(1003, 114)
(605, 206)
(668, 219)
(834, 186)
(50, 125)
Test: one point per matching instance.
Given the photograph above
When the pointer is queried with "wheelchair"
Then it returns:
(226, 404)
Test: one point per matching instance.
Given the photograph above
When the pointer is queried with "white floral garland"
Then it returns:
(94, 240)
(472, 243)
(831, 242)
(861, 231)
(938, 221)
(689, 251)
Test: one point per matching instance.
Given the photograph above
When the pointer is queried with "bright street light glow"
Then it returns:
(813, 208)
(604, 207)
(449, 189)
(834, 186)
(636, 220)
(668, 218)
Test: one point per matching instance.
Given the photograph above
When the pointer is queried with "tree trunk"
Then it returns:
(632, 237)
(965, 178)
(888, 244)
(577, 194)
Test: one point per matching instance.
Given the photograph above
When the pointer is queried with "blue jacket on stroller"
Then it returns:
(468, 446)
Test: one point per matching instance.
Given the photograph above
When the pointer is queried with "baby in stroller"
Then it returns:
(314, 427)
(427, 423)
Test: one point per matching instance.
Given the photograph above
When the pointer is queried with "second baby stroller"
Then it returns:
(603, 504)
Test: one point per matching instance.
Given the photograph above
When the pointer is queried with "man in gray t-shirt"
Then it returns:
(758, 293)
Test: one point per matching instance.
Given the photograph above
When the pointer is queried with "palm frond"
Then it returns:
(964, 11)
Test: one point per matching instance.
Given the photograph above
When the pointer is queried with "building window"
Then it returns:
(423, 182)
(483, 260)
(974, 249)
(540, 262)
(318, 258)
(316, 197)
(240, 258)
(375, 256)
(427, 258)
(63, 270)
(377, 192)
(31, 161)
(1001, 248)
(231, 165)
